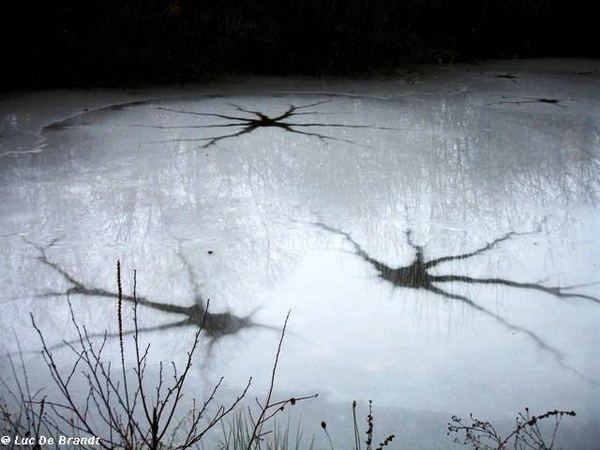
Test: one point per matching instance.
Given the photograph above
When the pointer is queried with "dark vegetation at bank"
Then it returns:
(110, 42)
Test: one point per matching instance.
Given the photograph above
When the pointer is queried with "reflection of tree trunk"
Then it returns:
(416, 276)
(215, 325)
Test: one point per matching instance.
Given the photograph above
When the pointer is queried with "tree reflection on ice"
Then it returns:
(416, 276)
(215, 325)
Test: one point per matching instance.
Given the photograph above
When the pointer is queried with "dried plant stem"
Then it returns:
(357, 443)
(130, 428)
(267, 405)
(122, 411)
(481, 434)
(324, 426)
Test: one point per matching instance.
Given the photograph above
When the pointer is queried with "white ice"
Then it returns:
(460, 156)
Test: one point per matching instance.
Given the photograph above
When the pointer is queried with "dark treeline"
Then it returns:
(119, 41)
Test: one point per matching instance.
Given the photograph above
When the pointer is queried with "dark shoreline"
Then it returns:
(113, 44)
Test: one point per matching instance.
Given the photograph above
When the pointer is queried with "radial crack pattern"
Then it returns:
(416, 276)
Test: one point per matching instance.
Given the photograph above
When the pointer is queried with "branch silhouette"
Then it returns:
(416, 276)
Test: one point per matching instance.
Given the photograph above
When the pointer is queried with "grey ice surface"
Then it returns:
(265, 195)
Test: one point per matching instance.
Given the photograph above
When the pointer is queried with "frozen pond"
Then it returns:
(436, 236)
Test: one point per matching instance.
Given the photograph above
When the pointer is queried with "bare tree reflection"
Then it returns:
(257, 119)
(215, 325)
(417, 276)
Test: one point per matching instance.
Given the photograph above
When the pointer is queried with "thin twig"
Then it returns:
(261, 418)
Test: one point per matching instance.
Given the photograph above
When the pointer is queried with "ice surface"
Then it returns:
(218, 192)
